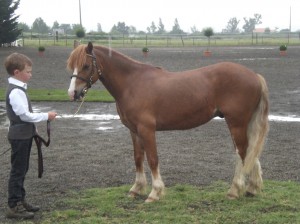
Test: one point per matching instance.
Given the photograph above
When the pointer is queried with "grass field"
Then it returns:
(62, 95)
(278, 203)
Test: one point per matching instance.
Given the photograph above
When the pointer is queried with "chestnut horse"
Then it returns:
(150, 99)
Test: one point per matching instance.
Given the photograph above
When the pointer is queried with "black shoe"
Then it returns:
(19, 212)
(29, 207)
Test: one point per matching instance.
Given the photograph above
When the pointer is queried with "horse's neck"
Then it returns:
(117, 70)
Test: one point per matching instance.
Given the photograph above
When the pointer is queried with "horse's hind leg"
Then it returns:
(238, 183)
(140, 184)
(239, 137)
(255, 180)
(249, 137)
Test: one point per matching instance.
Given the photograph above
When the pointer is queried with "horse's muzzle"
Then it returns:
(79, 95)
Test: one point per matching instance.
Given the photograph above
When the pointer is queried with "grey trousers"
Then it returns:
(20, 155)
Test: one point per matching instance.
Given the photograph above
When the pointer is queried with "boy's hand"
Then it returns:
(51, 115)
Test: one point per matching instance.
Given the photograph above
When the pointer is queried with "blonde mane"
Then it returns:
(77, 58)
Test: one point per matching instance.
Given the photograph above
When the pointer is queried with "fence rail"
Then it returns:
(150, 40)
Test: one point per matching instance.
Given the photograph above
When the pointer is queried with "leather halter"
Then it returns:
(90, 79)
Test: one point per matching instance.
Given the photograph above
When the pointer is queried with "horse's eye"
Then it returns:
(85, 67)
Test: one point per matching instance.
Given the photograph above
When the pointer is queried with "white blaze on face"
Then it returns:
(72, 85)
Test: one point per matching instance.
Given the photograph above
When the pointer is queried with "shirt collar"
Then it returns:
(17, 82)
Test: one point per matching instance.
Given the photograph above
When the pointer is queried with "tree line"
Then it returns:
(11, 29)
(39, 26)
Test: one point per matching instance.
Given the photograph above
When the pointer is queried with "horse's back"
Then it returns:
(222, 82)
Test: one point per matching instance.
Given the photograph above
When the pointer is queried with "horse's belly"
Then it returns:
(182, 122)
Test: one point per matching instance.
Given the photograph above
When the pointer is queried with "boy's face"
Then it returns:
(23, 75)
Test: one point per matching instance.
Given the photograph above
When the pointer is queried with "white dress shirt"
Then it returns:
(18, 101)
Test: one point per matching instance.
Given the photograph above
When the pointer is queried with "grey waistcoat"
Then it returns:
(18, 129)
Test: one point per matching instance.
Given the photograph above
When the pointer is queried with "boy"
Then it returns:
(21, 132)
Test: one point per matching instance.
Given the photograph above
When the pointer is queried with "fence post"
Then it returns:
(23, 42)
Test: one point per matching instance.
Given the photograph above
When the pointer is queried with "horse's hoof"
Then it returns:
(232, 197)
(132, 194)
(249, 194)
(150, 199)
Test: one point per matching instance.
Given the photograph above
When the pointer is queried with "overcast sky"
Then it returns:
(141, 13)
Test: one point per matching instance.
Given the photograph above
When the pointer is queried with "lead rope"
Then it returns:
(79, 106)
(39, 141)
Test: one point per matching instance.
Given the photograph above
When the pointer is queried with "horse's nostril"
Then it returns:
(75, 95)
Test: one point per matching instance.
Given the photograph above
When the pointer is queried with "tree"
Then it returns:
(232, 25)
(251, 23)
(121, 28)
(55, 25)
(80, 32)
(208, 32)
(153, 27)
(176, 28)
(161, 27)
(66, 27)
(268, 30)
(148, 29)
(132, 30)
(76, 27)
(39, 26)
(9, 30)
(24, 27)
(99, 28)
(194, 30)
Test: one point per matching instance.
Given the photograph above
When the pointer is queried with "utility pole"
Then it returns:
(290, 19)
(80, 14)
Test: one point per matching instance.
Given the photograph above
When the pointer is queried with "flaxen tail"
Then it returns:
(257, 128)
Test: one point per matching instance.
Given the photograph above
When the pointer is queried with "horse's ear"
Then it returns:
(89, 48)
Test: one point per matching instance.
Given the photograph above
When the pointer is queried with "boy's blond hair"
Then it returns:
(16, 61)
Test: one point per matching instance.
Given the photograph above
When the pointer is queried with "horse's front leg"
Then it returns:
(140, 184)
(148, 142)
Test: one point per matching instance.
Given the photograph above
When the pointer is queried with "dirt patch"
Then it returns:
(83, 155)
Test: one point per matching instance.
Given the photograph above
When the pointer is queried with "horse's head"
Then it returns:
(82, 62)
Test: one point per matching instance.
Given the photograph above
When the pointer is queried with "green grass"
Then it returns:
(62, 95)
(278, 203)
